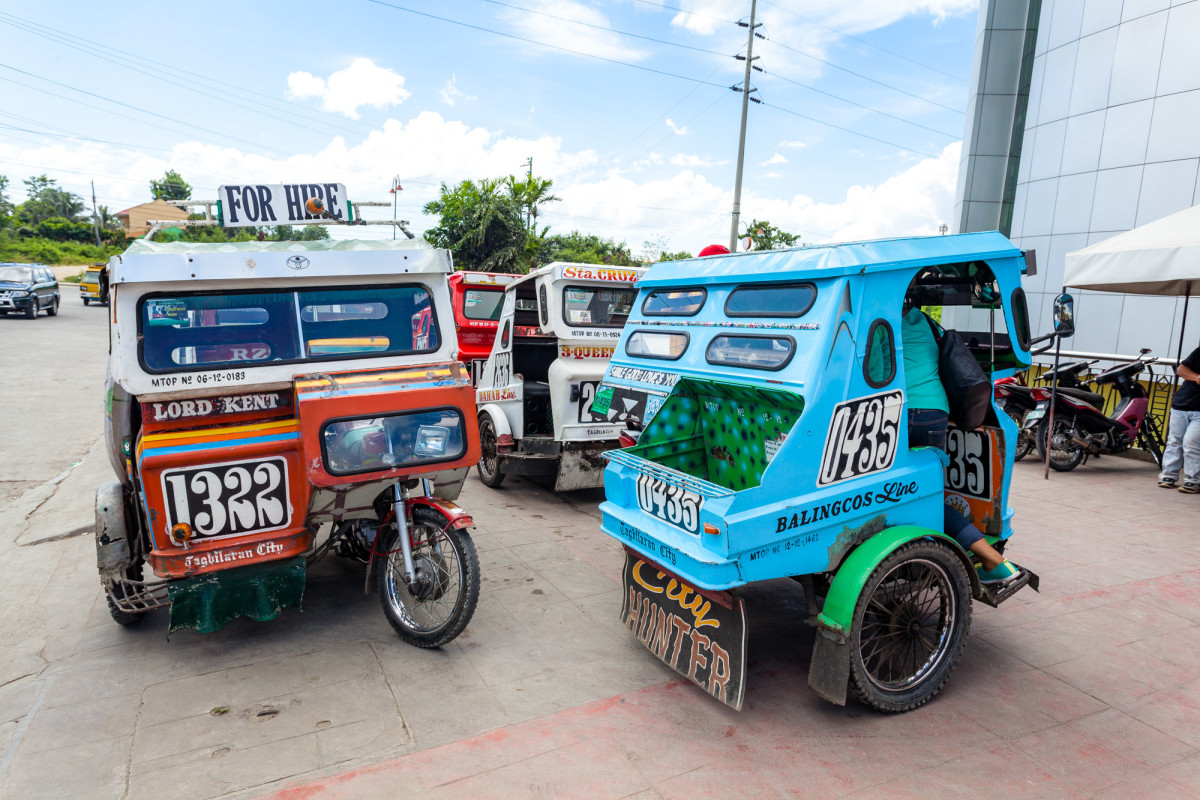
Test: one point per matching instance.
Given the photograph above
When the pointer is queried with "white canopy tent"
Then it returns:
(1158, 258)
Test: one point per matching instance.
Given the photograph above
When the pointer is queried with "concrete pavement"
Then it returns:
(1087, 690)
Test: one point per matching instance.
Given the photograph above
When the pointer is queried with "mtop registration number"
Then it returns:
(228, 499)
(672, 504)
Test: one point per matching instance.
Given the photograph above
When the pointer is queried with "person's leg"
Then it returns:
(927, 428)
(1191, 451)
(1173, 453)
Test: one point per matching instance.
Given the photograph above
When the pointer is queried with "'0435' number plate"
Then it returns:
(229, 499)
(672, 504)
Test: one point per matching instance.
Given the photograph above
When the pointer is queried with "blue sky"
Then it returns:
(624, 103)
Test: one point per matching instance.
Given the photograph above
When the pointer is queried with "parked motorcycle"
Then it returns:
(1080, 427)
(1017, 398)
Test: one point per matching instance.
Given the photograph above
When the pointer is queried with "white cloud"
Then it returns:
(682, 160)
(773, 175)
(363, 83)
(792, 144)
(676, 129)
(778, 158)
(451, 94)
(596, 38)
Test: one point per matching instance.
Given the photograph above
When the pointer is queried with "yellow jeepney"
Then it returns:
(94, 284)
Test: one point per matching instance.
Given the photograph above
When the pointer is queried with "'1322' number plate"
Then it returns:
(228, 499)
(672, 504)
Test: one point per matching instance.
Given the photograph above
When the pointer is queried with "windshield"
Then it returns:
(483, 304)
(596, 306)
(205, 330)
(13, 274)
(91, 276)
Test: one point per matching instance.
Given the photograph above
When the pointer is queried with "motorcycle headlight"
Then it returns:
(431, 440)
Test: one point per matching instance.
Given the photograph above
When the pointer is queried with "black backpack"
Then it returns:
(967, 386)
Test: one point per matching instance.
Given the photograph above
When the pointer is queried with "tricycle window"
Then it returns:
(674, 302)
(596, 306)
(483, 304)
(198, 331)
(650, 344)
(771, 300)
(751, 351)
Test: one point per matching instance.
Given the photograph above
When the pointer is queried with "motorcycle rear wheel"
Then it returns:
(442, 600)
(1025, 443)
(1064, 458)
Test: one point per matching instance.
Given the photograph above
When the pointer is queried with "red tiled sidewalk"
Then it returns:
(1090, 689)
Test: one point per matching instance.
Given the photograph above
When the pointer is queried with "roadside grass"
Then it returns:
(49, 251)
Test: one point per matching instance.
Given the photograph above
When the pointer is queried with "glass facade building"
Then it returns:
(1083, 123)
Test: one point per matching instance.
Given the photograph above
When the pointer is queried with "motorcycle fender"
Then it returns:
(500, 420)
(457, 518)
(112, 534)
(829, 672)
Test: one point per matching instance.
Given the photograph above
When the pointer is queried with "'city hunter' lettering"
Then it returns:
(699, 639)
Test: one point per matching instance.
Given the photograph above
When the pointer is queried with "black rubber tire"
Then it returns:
(1025, 443)
(919, 557)
(1151, 444)
(124, 617)
(87, 300)
(488, 467)
(389, 578)
(32, 311)
(52, 311)
(1073, 460)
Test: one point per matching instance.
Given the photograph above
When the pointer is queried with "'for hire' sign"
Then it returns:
(279, 204)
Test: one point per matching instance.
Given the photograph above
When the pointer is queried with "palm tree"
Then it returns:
(530, 193)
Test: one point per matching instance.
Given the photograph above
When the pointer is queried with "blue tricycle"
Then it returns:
(775, 444)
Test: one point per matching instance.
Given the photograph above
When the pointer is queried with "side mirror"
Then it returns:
(1064, 316)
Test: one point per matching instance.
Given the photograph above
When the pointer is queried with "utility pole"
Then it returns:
(745, 90)
(529, 180)
(95, 218)
(396, 190)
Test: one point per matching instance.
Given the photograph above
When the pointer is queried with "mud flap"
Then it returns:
(261, 591)
(580, 468)
(997, 595)
(829, 670)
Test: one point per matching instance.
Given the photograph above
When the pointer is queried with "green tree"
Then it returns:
(305, 233)
(676, 256)
(46, 200)
(586, 249)
(480, 223)
(6, 207)
(108, 219)
(171, 187)
(767, 237)
(530, 194)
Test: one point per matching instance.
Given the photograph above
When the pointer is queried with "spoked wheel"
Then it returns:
(1025, 443)
(442, 598)
(1064, 455)
(489, 453)
(910, 627)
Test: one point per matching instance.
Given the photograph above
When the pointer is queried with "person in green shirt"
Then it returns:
(928, 416)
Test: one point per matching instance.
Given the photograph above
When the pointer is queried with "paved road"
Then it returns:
(52, 397)
(1090, 689)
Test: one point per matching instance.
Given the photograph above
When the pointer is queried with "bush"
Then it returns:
(15, 247)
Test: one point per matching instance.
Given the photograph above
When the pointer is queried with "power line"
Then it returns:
(860, 105)
(864, 77)
(718, 99)
(131, 107)
(847, 130)
(685, 11)
(544, 44)
(862, 41)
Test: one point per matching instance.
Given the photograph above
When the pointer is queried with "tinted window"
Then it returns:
(13, 274)
(674, 302)
(596, 306)
(483, 304)
(651, 344)
(879, 367)
(779, 300)
(203, 330)
(751, 351)
(1020, 312)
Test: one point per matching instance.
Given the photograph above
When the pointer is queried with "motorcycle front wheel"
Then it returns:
(1064, 455)
(441, 600)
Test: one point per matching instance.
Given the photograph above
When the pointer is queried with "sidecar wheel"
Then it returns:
(123, 617)
(442, 600)
(489, 455)
(910, 627)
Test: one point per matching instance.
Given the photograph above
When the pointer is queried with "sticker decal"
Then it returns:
(638, 375)
(672, 504)
(611, 403)
(228, 499)
(970, 470)
(863, 436)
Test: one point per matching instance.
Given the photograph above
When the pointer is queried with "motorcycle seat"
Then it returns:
(1091, 398)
